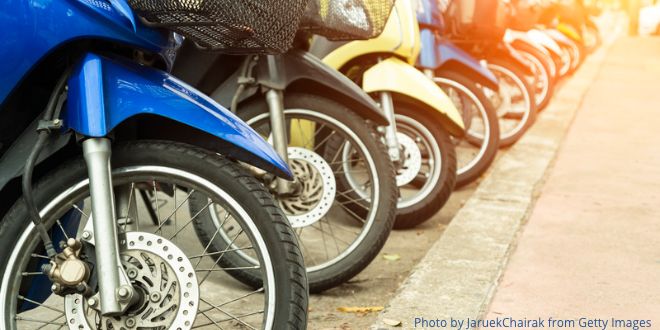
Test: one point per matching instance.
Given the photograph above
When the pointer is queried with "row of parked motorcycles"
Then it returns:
(170, 164)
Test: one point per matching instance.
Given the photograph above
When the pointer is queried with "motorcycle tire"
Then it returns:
(139, 163)
(435, 187)
(511, 72)
(545, 83)
(488, 142)
(348, 208)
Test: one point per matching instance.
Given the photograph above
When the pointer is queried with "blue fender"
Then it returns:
(103, 93)
(449, 55)
(440, 54)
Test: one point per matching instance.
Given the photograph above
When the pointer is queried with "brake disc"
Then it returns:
(164, 278)
(411, 162)
(317, 192)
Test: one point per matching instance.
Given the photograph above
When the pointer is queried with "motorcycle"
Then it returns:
(545, 70)
(539, 37)
(84, 76)
(461, 77)
(425, 119)
(478, 28)
(342, 201)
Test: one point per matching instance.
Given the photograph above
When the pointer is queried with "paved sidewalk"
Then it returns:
(592, 244)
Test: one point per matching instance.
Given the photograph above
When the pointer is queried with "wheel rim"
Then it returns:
(515, 102)
(565, 60)
(431, 167)
(479, 131)
(211, 312)
(332, 231)
(542, 82)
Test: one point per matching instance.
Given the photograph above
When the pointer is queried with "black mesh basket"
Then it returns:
(478, 19)
(229, 26)
(346, 19)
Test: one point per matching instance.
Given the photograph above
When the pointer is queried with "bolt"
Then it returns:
(54, 287)
(130, 322)
(155, 297)
(91, 302)
(132, 273)
(123, 292)
(86, 235)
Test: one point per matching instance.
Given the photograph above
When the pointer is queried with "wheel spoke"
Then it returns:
(260, 290)
(325, 139)
(217, 260)
(337, 239)
(232, 317)
(40, 304)
(176, 208)
(190, 221)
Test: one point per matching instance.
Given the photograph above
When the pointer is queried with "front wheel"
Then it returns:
(477, 150)
(542, 81)
(344, 208)
(427, 174)
(515, 103)
(178, 282)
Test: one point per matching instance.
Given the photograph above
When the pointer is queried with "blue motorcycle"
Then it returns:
(478, 28)
(90, 77)
(462, 78)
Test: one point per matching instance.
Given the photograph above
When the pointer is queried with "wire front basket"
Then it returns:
(229, 26)
(347, 19)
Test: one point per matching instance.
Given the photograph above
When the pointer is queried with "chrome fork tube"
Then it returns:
(391, 140)
(277, 123)
(278, 130)
(109, 270)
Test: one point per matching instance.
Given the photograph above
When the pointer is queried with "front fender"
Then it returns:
(396, 76)
(506, 50)
(570, 32)
(544, 40)
(453, 57)
(103, 93)
(559, 37)
(303, 67)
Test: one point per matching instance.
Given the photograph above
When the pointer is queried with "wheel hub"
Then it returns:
(163, 277)
(411, 162)
(317, 188)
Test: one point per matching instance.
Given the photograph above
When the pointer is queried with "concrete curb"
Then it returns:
(459, 274)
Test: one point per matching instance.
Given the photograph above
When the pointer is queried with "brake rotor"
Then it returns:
(411, 162)
(317, 192)
(165, 279)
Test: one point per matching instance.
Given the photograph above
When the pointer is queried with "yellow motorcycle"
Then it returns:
(420, 143)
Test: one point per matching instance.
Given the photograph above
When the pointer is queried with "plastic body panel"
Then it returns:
(394, 75)
(400, 38)
(570, 32)
(33, 29)
(302, 68)
(545, 41)
(103, 93)
(559, 37)
(438, 53)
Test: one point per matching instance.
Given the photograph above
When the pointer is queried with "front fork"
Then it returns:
(278, 131)
(278, 128)
(387, 104)
(115, 291)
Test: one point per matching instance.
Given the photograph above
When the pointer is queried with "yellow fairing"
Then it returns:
(394, 75)
(569, 31)
(400, 37)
